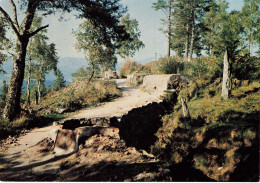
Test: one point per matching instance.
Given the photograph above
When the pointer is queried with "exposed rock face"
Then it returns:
(139, 126)
(135, 79)
(157, 83)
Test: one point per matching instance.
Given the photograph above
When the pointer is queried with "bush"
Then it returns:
(246, 68)
(204, 68)
(171, 66)
(129, 67)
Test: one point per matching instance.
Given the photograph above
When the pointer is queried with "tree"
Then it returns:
(251, 21)
(128, 48)
(59, 82)
(4, 91)
(166, 6)
(4, 42)
(105, 13)
(99, 49)
(224, 39)
(41, 59)
(188, 16)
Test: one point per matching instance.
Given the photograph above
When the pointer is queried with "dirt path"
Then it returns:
(31, 153)
(132, 97)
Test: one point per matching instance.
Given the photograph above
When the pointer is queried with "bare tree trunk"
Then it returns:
(28, 82)
(226, 85)
(12, 107)
(92, 74)
(39, 91)
(169, 29)
(187, 43)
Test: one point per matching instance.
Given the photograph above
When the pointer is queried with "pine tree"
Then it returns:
(59, 82)
(4, 91)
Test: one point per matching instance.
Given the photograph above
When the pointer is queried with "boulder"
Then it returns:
(135, 79)
(159, 83)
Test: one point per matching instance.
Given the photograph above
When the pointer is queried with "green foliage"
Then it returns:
(225, 30)
(220, 135)
(171, 66)
(251, 20)
(188, 26)
(246, 68)
(205, 68)
(5, 43)
(98, 49)
(129, 47)
(4, 91)
(77, 95)
(59, 82)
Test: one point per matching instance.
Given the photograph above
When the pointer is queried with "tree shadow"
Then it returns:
(109, 171)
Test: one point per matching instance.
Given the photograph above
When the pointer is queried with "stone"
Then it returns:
(61, 110)
(156, 84)
(110, 74)
(245, 83)
(71, 124)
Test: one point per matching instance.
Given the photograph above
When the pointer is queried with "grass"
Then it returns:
(244, 102)
(220, 139)
(78, 95)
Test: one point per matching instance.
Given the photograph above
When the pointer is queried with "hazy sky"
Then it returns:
(60, 32)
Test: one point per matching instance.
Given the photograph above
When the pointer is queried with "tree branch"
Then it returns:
(38, 30)
(15, 14)
(11, 23)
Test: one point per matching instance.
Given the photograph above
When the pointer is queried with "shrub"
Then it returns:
(129, 67)
(171, 66)
(246, 68)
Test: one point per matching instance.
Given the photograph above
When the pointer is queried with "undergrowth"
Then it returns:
(221, 137)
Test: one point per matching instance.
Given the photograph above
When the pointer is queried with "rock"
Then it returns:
(71, 124)
(156, 84)
(61, 110)
(147, 155)
(145, 177)
(245, 83)
(110, 74)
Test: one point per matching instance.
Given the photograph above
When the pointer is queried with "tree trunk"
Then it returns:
(92, 74)
(13, 107)
(28, 83)
(39, 91)
(226, 85)
(192, 38)
(169, 29)
(187, 43)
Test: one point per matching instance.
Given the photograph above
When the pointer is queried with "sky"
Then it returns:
(60, 32)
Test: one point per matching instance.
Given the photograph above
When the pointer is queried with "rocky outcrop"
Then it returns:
(156, 84)
(139, 126)
(135, 79)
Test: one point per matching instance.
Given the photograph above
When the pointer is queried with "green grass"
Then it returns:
(219, 134)
(78, 95)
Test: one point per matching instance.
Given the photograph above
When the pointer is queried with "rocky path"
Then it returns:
(132, 97)
(31, 155)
